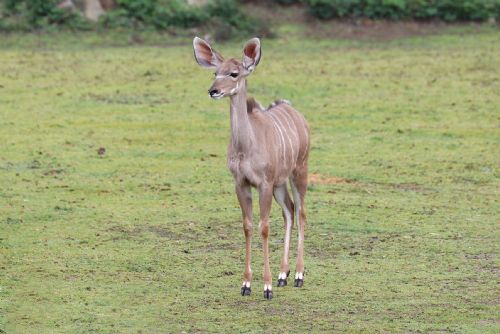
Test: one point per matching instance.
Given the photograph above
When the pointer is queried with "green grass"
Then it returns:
(148, 238)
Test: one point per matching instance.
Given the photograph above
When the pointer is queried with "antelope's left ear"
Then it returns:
(251, 54)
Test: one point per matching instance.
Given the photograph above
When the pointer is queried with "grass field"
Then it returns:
(117, 212)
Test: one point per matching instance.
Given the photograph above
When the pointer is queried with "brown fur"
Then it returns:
(267, 147)
(253, 105)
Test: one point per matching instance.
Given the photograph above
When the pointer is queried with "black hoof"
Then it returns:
(246, 291)
(298, 283)
(268, 294)
(281, 282)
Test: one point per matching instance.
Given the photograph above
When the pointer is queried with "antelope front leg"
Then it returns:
(265, 202)
(244, 193)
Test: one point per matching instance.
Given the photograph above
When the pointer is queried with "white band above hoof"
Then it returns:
(282, 275)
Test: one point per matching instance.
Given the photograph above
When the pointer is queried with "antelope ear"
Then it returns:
(251, 54)
(205, 55)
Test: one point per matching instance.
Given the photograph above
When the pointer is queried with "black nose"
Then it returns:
(212, 92)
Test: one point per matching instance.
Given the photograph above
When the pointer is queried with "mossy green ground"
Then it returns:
(402, 234)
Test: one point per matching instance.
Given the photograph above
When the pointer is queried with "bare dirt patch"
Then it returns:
(489, 322)
(325, 180)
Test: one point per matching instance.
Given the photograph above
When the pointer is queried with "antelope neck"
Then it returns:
(242, 135)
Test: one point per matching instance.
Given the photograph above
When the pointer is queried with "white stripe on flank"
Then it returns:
(293, 130)
(306, 137)
(282, 139)
(277, 132)
(305, 152)
(307, 144)
(287, 136)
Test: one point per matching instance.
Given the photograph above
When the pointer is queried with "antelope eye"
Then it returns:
(233, 75)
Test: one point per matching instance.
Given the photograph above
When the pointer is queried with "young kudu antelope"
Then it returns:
(267, 147)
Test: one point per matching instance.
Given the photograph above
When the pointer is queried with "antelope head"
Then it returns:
(230, 73)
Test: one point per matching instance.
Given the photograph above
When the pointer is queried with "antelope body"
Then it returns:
(267, 148)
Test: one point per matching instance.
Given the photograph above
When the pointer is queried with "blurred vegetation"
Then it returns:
(227, 18)
(447, 10)
(33, 14)
(223, 17)
(287, 2)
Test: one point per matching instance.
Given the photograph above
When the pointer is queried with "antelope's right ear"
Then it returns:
(205, 55)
